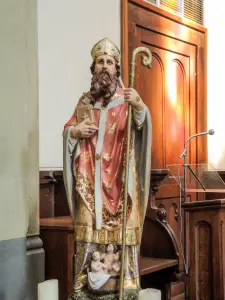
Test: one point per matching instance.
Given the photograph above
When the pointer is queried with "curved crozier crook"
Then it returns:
(146, 61)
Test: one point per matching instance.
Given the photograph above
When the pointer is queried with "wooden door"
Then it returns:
(167, 91)
(174, 89)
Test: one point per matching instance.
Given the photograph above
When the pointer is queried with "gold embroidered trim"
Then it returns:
(87, 234)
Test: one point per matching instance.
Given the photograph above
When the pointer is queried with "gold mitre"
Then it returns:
(105, 46)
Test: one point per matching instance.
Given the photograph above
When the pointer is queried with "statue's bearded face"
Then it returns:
(105, 63)
(105, 78)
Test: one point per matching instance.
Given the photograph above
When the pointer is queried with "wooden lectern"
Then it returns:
(207, 249)
(206, 276)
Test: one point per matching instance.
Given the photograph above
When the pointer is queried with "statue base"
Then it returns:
(86, 295)
(111, 286)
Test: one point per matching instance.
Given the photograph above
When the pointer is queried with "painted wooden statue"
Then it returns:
(95, 141)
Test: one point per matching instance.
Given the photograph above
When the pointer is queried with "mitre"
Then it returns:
(107, 47)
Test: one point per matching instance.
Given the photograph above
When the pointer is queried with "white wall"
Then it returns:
(67, 31)
(214, 20)
(18, 120)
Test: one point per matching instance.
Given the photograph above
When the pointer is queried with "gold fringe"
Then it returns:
(87, 234)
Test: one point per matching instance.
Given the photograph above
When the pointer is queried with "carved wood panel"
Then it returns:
(53, 201)
(203, 241)
(206, 273)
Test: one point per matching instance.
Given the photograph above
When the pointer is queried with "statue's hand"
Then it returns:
(83, 130)
(132, 96)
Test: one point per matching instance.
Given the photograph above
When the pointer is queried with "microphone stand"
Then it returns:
(187, 166)
(184, 155)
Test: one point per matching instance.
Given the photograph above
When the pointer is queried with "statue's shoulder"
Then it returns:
(85, 99)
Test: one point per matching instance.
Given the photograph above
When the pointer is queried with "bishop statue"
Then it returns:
(95, 141)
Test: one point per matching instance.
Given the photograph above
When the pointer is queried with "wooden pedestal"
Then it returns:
(207, 249)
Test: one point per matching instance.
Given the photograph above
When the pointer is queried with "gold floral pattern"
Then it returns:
(85, 189)
(107, 156)
(107, 185)
(108, 170)
(85, 156)
(112, 128)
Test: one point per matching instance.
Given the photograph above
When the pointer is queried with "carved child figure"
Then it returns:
(111, 260)
(117, 263)
(96, 265)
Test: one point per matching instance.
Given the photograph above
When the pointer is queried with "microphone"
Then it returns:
(210, 132)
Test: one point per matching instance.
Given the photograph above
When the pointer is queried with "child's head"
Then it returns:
(96, 255)
(111, 248)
